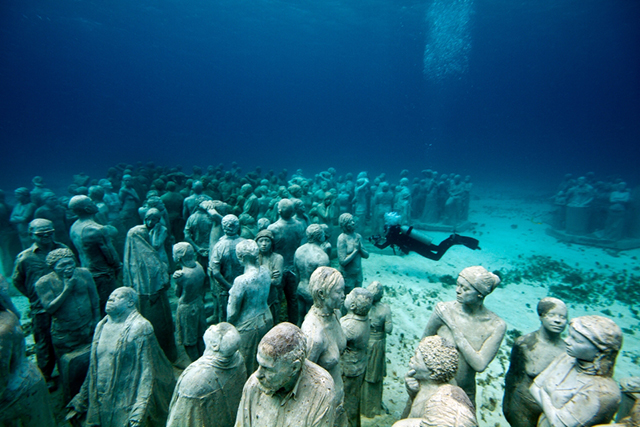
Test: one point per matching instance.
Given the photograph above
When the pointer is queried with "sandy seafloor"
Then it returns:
(509, 225)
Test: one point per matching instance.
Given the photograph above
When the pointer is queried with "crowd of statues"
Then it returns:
(601, 209)
(269, 332)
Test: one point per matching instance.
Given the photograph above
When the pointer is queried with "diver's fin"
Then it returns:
(469, 242)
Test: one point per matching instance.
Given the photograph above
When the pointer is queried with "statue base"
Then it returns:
(593, 240)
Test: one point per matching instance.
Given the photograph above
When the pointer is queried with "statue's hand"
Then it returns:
(178, 274)
(412, 384)
(203, 252)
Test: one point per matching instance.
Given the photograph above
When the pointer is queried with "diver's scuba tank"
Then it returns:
(416, 234)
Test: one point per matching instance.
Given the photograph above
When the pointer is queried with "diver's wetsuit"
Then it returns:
(406, 242)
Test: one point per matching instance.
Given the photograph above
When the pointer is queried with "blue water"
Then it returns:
(499, 89)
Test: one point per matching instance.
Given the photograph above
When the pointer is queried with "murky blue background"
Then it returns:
(499, 89)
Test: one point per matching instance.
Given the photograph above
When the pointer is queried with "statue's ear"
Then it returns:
(321, 293)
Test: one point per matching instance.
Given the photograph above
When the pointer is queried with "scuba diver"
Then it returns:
(408, 239)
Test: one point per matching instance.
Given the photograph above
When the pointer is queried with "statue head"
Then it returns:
(246, 189)
(347, 223)
(82, 206)
(359, 301)
(435, 359)
(595, 339)
(326, 286)
(315, 234)
(285, 209)
(22, 194)
(230, 225)
(247, 251)
(553, 314)
(222, 338)
(183, 251)
(152, 218)
(377, 290)
(483, 281)
(41, 231)
(106, 184)
(121, 302)
(299, 207)
(265, 239)
(295, 190)
(197, 186)
(263, 224)
(62, 261)
(281, 355)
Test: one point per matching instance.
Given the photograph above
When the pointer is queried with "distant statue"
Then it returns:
(469, 325)
(24, 398)
(54, 212)
(130, 380)
(208, 392)
(145, 272)
(22, 214)
(351, 251)
(224, 265)
(95, 247)
(530, 355)
(191, 285)
(130, 200)
(197, 230)
(325, 338)
(275, 264)
(306, 260)
(615, 225)
(580, 195)
(381, 325)
(576, 389)
(287, 389)
(30, 266)
(382, 203)
(433, 399)
(191, 203)
(288, 234)
(248, 310)
(356, 328)
(360, 201)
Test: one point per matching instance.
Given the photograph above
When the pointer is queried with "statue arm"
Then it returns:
(479, 359)
(94, 298)
(343, 256)
(101, 237)
(214, 270)
(18, 278)
(145, 386)
(363, 252)
(234, 305)
(315, 346)
(435, 322)
(6, 352)
(388, 322)
(50, 301)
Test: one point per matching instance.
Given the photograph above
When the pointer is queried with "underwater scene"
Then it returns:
(495, 133)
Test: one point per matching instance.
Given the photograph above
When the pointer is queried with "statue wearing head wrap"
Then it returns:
(476, 331)
(576, 389)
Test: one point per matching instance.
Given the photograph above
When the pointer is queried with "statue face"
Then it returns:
(555, 320)
(335, 298)
(117, 303)
(350, 225)
(416, 363)
(264, 245)
(151, 221)
(580, 347)
(43, 236)
(65, 267)
(465, 293)
(273, 374)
